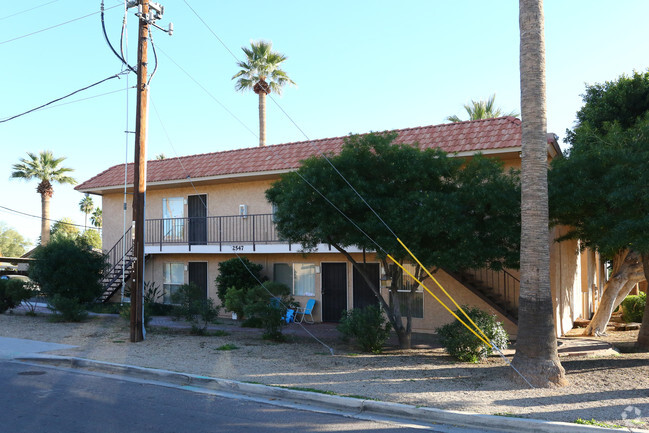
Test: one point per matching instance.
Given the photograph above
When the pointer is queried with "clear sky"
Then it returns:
(360, 66)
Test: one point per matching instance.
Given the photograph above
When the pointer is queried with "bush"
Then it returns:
(67, 309)
(239, 273)
(68, 269)
(463, 345)
(268, 309)
(235, 301)
(195, 308)
(12, 293)
(367, 326)
(633, 308)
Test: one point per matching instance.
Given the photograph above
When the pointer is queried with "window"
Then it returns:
(173, 211)
(300, 277)
(415, 299)
(174, 277)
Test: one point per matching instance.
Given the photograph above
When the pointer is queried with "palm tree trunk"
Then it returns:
(536, 346)
(262, 118)
(45, 218)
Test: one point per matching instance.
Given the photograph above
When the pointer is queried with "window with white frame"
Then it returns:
(300, 277)
(173, 277)
(173, 212)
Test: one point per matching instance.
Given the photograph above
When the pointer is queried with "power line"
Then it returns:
(55, 26)
(27, 10)
(85, 99)
(62, 97)
(46, 219)
(211, 31)
(209, 94)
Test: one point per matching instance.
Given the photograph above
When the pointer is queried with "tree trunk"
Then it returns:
(536, 346)
(45, 218)
(262, 118)
(627, 272)
(643, 335)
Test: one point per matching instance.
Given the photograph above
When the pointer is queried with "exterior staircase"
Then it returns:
(499, 289)
(121, 261)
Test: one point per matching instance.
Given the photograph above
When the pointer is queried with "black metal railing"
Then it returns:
(213, 230)
(122, 247)
(502, 285)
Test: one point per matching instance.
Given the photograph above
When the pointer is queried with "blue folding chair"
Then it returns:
(306, 311)
(290, 313)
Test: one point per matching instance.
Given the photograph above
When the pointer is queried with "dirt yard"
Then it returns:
(607, 389)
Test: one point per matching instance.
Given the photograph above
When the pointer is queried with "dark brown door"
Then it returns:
(198, 275)
(363, 294)
(197, 212)
(334, 291)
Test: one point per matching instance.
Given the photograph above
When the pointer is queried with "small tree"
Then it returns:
(64, 229)
(239, 273)
(69, 274)
(12, 244)
(195, 308)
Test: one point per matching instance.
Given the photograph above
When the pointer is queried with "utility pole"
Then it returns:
(139, 181)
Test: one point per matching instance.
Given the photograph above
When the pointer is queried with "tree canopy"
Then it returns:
(482, 110)
(12, 244)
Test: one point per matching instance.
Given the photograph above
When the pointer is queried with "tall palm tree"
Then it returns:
(482, 110)
(97, 217)
(47, 169)
(536, 344)
(261, 73)
(86, 205)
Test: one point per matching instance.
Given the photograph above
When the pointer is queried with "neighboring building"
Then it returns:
(201, 208)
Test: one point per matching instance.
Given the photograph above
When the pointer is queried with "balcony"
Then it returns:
(220, 233)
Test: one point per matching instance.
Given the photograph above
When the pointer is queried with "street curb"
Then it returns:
(424, 414)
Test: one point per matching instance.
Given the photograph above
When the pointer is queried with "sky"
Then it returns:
(359, 66)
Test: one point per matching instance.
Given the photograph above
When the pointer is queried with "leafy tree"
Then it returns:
(482, 110)
(450, 212)
(47, 169)
(86, 206)
(261, 73)
(599, 188)
(65, 228)
(91, 238)
(238, 273)
(536, 344)
(69, 274)
(12, 293)
(12, 244)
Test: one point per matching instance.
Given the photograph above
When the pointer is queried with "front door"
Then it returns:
(197, 213)
(198, 275)
(363, 294)
(334, 291)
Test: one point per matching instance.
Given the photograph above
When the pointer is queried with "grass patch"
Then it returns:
(596, 423)
(119, 341)
(220, 333)
(320, 391)
(507, 414)
(228, 346)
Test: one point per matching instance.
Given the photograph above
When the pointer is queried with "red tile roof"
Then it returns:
(469, 136)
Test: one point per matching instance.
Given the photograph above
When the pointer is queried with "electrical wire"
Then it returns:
(62, 97)
(155, 56)
(46, 219)
(27, 10)
(85, 99)
(103, 26)
(210, 29)
(209, 94)
(54, 26)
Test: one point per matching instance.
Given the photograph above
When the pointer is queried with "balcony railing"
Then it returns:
(213, 230)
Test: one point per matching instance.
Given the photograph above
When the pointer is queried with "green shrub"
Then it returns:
(269, 309)
(235, 301)
(12, 293)
(463, 345)
(68, 271)
(67, 309)
(367, 326)
(239, 273)
(195, 308)
(633, 308)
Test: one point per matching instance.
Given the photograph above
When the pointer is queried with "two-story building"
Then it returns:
(200, 209)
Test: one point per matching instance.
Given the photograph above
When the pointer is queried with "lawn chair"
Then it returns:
(306, 311)
(290, 313)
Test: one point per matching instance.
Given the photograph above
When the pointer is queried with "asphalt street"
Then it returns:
(45, 399)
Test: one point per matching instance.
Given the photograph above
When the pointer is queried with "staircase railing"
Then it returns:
(119, 260)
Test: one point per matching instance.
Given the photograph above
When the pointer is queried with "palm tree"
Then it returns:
(47, 169)
(482, 110)
(86, 205)
(536, 344)
(97, 217)
(261, 73)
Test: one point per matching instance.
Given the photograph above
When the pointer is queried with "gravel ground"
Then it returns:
(607, 389)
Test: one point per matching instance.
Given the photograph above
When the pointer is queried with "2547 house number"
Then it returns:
(237, 247)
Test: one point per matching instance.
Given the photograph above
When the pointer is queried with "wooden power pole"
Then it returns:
(139, 182)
